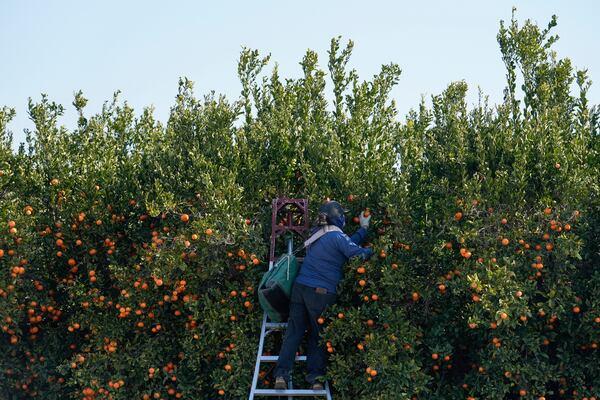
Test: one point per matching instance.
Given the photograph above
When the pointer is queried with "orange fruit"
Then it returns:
(546, 236)
(184, 218)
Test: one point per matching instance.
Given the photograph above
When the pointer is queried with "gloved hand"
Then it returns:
(364, 221)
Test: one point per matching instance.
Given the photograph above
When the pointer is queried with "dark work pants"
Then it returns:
(306, 306)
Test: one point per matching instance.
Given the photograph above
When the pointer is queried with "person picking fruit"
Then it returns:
(327, 250)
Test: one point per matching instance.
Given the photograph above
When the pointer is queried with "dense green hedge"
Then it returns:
(131, 249)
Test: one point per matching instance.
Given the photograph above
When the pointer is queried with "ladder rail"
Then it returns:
(259, 355)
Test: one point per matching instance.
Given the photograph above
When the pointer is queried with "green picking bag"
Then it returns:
(275, 288)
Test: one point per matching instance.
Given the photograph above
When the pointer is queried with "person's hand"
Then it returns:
(365, 220)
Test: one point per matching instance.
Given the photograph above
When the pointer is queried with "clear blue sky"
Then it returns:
(143, 47)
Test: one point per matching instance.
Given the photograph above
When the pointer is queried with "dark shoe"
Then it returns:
(317, 386)
(280, 383)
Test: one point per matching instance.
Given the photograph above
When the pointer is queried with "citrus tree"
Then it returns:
(130, 249)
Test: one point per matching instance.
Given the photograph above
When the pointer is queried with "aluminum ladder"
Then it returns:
(268, 326)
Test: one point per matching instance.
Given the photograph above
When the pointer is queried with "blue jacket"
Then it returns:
(322, 266)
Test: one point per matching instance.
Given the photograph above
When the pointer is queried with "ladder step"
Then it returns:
(290, 392)
(275, 358)
(276, 325)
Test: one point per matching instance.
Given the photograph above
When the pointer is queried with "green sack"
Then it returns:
(275, 288)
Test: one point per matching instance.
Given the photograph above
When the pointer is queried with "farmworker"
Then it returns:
(327, 250)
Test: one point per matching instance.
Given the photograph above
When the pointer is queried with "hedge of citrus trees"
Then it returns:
(130, 250)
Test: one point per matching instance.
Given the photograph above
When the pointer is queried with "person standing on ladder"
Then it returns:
(327, 250)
